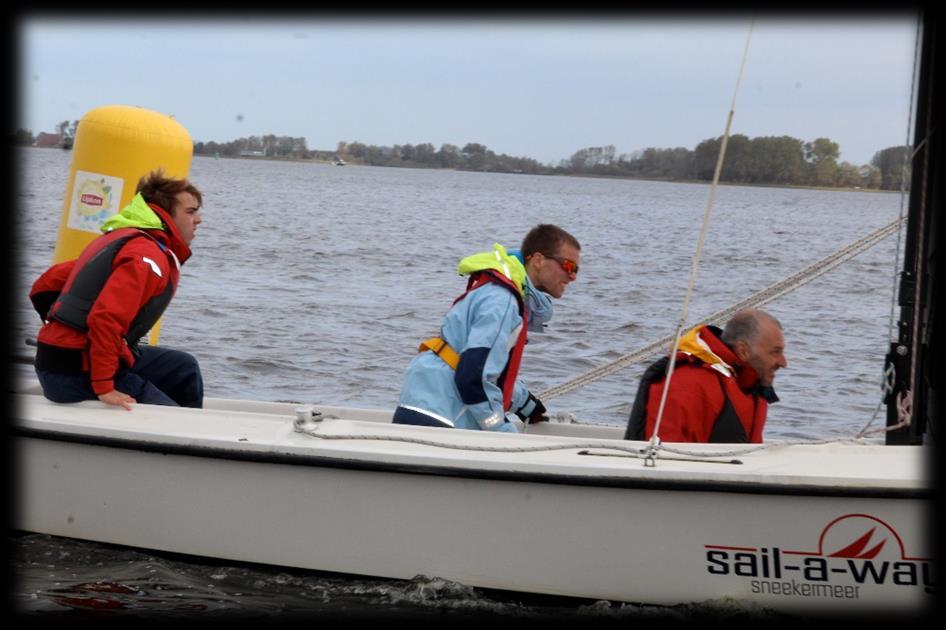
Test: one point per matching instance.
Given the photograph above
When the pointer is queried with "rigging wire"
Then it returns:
(699, 244)
(889, 376)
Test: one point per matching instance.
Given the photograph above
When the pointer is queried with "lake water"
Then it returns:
(314, 283)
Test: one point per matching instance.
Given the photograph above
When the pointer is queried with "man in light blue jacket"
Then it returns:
(466, 378)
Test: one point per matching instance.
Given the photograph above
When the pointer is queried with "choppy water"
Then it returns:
(314, 283)
(63, 579)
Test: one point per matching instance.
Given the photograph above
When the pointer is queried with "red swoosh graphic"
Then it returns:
(855, 548)
(873, 552)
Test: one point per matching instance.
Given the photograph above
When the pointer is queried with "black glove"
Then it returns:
(532, 411)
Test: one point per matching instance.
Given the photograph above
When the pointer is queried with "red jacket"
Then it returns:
(696, 399)
(141, 270)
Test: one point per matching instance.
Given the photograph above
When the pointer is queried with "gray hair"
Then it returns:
(744, 325)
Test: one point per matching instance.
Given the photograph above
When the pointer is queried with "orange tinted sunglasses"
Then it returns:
(569, 265)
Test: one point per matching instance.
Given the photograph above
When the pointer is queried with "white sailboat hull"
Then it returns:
(236, 481)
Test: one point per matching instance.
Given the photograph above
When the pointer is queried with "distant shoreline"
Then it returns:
(588, 175)
(330, 162)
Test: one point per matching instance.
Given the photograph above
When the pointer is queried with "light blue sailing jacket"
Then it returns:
(486, 322)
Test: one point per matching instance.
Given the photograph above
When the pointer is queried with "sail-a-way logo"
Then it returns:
(855, 553)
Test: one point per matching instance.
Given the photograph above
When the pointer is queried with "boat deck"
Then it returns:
(554, 452)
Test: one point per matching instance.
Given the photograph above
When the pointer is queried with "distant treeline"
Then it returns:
(775, 160)
(781, 161)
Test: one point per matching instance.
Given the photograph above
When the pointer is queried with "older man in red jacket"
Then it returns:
(721, 385)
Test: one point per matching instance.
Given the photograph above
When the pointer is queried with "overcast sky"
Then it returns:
(540, 88)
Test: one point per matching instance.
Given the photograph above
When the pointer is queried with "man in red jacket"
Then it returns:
(97, 307)
(721, 385)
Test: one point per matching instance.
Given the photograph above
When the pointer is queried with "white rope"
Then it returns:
(611, 445)
(469, 447)
(904, 405)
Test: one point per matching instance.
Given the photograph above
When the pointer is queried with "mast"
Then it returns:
(919, 341)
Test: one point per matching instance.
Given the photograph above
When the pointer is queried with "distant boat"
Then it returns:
(339, 162)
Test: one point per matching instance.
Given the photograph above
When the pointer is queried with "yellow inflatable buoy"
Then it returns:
(114, 147)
